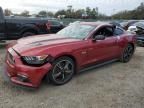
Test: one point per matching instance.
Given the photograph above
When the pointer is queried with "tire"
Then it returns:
(127, 53)
(25, 34)
(62, 72)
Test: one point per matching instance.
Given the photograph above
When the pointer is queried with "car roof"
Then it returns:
(97, 23)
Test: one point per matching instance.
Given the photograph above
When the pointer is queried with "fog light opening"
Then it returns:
(23, 78)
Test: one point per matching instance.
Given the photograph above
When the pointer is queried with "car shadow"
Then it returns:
(97, 68)
(46, 85)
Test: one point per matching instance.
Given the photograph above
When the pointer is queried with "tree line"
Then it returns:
(87, 13)
(136, 14)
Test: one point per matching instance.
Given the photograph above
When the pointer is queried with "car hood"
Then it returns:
(41, 41)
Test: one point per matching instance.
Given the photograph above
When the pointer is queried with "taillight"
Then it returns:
(48, 25)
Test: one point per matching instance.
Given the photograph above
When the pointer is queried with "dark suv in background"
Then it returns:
(17, 27)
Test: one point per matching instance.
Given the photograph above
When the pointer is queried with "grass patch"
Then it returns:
(2, 46)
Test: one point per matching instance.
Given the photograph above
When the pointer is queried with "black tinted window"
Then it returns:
(105, 31)
(55, 23)
(118, 31)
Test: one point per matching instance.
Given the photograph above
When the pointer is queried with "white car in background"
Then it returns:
(132, 29)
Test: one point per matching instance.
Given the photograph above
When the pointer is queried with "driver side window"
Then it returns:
(105, 31)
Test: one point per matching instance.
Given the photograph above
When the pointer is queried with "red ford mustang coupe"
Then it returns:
(57, 57)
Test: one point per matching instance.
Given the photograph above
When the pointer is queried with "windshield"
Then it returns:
(78, 31)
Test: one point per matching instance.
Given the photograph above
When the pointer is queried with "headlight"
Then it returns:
(36, 60)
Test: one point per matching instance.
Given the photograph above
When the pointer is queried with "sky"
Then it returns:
(107, 7)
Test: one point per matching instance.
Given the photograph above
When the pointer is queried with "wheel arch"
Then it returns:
(63, 55)
(30, 30)
(132, 44)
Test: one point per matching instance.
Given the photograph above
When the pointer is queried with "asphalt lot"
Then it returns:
(117, 85)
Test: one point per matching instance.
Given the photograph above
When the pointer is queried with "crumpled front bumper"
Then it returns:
(25, 75)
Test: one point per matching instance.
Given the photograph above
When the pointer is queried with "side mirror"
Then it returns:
(99, 37)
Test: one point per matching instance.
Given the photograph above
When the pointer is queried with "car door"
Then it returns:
(2, 24)
(103, 50)
(12, 27)
(2, 29)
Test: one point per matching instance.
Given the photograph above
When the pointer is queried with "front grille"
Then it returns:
(10, 58)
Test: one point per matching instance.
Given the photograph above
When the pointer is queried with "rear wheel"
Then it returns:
(127, 54)
(63, 71)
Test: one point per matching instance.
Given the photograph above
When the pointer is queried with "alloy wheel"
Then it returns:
(128, 53)
(63, 71)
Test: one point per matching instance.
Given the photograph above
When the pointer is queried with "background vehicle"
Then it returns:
(116, 23)
(75, 48)
(127, 24)
(138, 28)
(17, 27)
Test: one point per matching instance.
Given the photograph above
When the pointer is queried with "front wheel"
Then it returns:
(63, 71)
(127, 54)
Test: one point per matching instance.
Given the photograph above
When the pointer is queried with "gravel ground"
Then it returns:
(116, 85)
